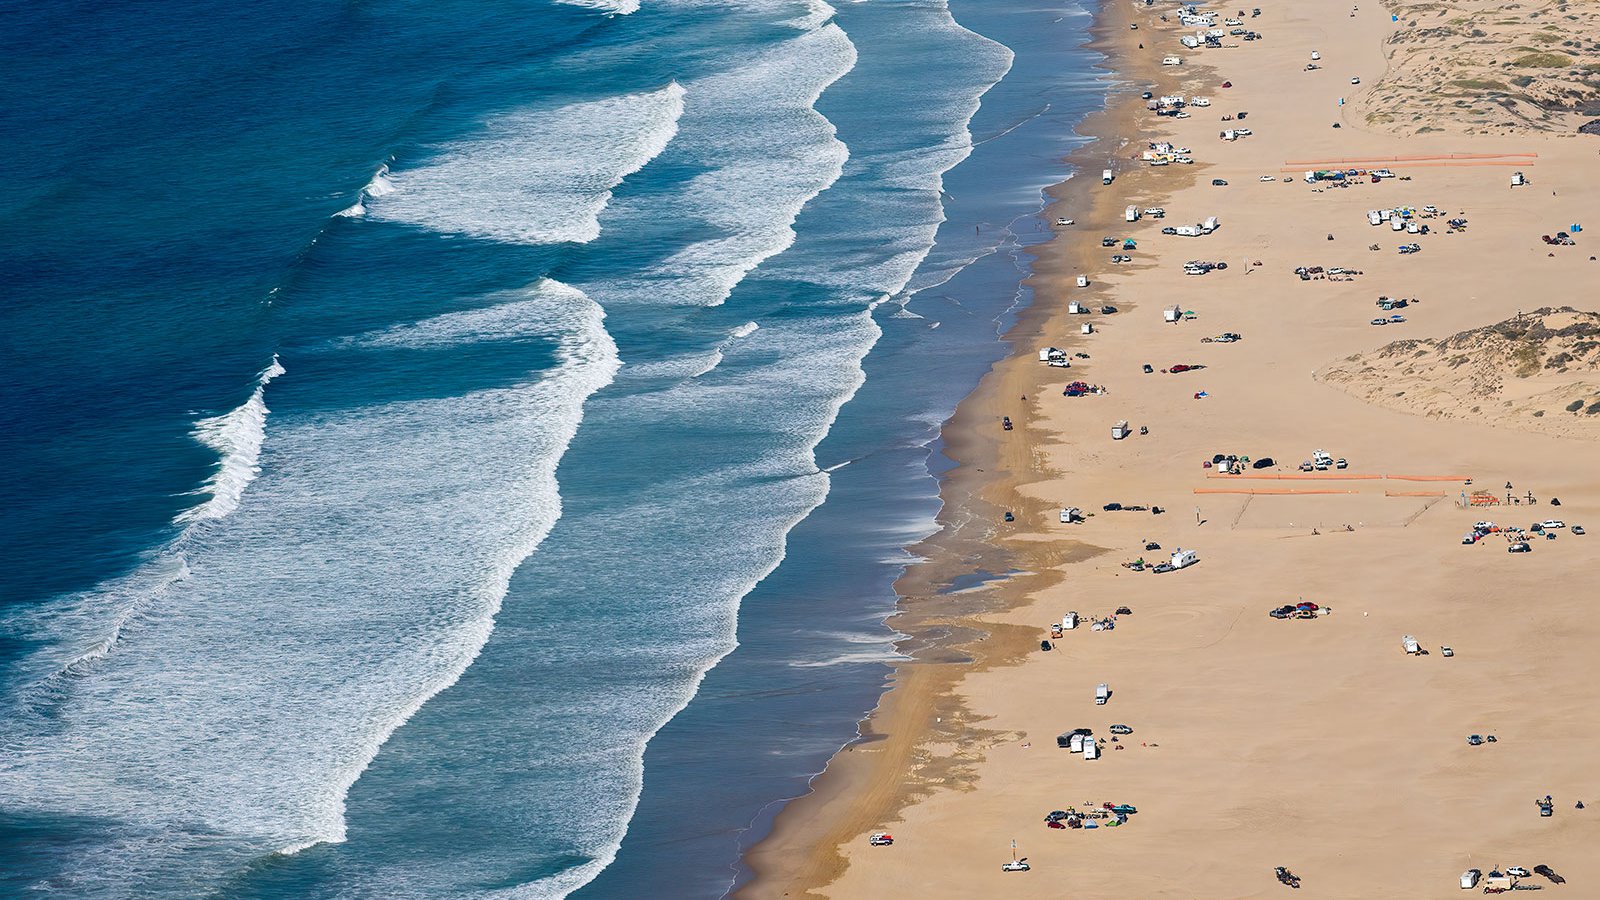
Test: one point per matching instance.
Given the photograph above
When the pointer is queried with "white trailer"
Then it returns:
(1083, 281)
(1091, 750)
(1120, 430)
(1102, 693)
(1518, 179)
(1187, 231)
(1189, 41)
(1411, 646)
(1069, 621)
(1131, 214)
(1172, 60)
(1106, 177)
(1088, 328)
(1075, 743)
(1374, 217)
(1182, 559)
(1172, 314)
(1210, 224)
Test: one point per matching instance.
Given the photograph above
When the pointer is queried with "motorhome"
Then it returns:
(1228, 135)
(1200, 101)
(1411, 646)
(1088, 328)
(1374, 217)
(1131, 214)
(1102, 693)
(1187, 231)
(1518, 179)
(1048, 353)
(1106, 177)
(1075, 743)
(1083, 281)
(1172, 60)
(1069, 622)
(1210, 224)
(1120, 430)
(1189, 41)
(1091, 750)
(1172, 314)
(1182, 559)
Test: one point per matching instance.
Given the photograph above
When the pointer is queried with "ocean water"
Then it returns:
(464, 449)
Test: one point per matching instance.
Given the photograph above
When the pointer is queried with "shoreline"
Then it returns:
(943, 636)
(944, 760)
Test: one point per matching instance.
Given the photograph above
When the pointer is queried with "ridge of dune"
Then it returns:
(1539, 370)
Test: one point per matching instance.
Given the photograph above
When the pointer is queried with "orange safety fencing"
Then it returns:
(1270, 491)
(1412, 158)
(1297, 476)
(1414, 493)
(1429, 477)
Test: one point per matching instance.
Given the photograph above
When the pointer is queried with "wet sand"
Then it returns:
(1317, 745)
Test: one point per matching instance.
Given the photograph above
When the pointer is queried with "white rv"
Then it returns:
(1182, 559)
(1083, 281)
(1170, 61)
(1131, 214)
(1106, 177)
(1411, 646)
(1189, 41)
(1048, 353)
(1120, 430)
(1069, 621)
(1187, 231)
(1102, 693)
(1200, 101)
(1088, 328)
(1091, 750)
(1210, 224)
(1374, 217)
(1172, 314)
(1075, 743)
(1518, 179)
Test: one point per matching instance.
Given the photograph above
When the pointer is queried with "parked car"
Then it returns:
(1552, 523)
(1148, 369)
(1379, 322)
(1341, 464)
(1169, 230)
(1578, 529)
(881, 839)
(1121, 729)
(1265, 462)
(1549, 873)
(1518, 872)
(1355, 80)
(1519, 547)
(1219, 182)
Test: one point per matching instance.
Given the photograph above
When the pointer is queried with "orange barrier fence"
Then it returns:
(1297, 476)
(1429, 477)
(1414, 493)
(1271, 491)
(1352, 160)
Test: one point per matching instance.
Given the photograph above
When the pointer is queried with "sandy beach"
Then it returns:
(1315, 744)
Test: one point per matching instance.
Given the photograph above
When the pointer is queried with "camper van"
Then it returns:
(1069, 621)
(1131, 214)
(1120, 430)
(1106, 177)
(1182, 559)
(1083, 281)
(1102, 693)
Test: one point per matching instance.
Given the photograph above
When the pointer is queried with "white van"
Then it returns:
(1102, 693)
(1106, 177)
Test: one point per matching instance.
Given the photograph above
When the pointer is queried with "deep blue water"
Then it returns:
(462, 448)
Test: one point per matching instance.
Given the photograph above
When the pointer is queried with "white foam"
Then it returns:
(611, 7)
(379, 186)
(240, 703)
(768, 153)
(237, 436)
(537, 176)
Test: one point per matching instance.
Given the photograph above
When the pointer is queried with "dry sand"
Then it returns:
(1316, 745)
